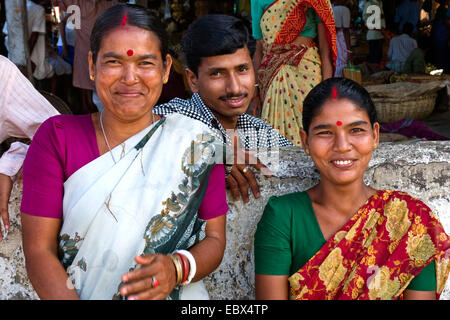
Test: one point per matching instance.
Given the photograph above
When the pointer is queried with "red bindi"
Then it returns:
(334, 93)
(130, 52)
(339, 123)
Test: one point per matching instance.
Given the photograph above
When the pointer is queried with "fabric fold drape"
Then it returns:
(376, 253)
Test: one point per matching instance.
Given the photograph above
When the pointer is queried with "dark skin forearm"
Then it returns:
(419, 295)
(208, 253)
(31, 44)
(62, 30)
(5, 192)
(255, 107)
(269, 287)
(325, 52)
(32, 41)
(347, 38)
(257, 57)
(52, 284)
(40, 247)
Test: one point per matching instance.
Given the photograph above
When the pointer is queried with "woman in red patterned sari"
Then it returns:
(342, 239)
(295, 50)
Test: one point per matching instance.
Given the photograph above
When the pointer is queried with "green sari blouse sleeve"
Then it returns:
(425, 280)
(310, 28)
(273, 252)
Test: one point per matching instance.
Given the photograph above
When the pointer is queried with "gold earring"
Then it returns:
(165, 81)
(307, 151)
(92, 77)
(375, 146)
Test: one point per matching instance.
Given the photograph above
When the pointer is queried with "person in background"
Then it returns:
(295, 50)
(41, 68)
(220, 73)
(400, 48)
(374, 35)
(416, 61)
(60, 83)
(407, 11)
(66, 39)
(440, 33)
(176, 86)
(342, 239)
(122, 204)
(22, 110)
(342, 22)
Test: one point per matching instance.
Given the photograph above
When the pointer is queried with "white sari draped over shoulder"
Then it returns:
(145, 203)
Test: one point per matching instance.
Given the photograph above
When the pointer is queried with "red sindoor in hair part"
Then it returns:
(334, 93)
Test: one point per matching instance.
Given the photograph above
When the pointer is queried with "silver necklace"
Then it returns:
(104, 136)
(106, 139)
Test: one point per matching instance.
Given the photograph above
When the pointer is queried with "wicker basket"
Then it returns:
(394, 109)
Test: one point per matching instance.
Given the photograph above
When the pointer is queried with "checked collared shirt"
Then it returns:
(254, 133)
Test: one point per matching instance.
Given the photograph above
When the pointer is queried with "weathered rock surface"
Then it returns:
(14, 282)
(422, 169)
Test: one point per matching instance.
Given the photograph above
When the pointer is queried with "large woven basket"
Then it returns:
(394, 109)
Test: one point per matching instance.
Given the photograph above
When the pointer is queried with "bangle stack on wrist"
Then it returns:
(185, 266)
(178, 268)
(180, 259)
(192, 265)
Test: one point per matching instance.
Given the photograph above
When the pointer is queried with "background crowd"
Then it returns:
(413, 38)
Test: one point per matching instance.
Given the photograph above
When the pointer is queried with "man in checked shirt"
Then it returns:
(220, 74)
(22, 110)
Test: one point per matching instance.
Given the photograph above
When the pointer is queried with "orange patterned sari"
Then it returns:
(287, 72)
(377, 253)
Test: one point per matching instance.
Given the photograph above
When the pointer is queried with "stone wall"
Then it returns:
(420, 168)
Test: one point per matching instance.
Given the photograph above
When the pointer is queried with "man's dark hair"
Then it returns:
(213, 35)
(408, 28)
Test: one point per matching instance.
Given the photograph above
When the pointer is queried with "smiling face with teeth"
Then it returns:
(226, 84)
(341, 153)
(129, 86)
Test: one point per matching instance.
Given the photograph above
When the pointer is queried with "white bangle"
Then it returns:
(192, 265)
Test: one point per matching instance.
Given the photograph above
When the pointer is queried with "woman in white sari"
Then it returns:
(118, 205)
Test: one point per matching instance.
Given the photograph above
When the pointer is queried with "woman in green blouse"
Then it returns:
(343, 239)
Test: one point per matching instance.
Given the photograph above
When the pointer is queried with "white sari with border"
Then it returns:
(145, 203)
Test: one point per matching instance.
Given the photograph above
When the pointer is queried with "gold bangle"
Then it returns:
(178, 268)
